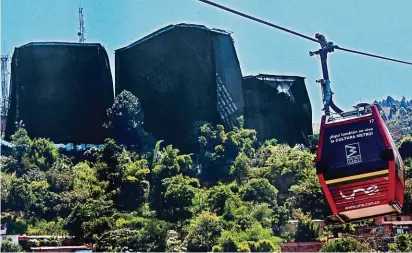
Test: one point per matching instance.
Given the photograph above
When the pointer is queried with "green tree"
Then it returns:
(407, 205)
(179, 196)
(405, 146)
(125, 120)
(150, 238)
(153, 236)
(260, 190)
(218, 148)
(403, 243)
(228, 241)
(40, 190)
(203, 232)
(6, 181)
(9, 246)
(267, 246)
(14, 224)
(241, 168)
(11, 165)
(408, 167)
(135, 185)
(85, 180)
(306, 231)
(43, 227)
(43, 153)
(265, 214)
(118, 240)
(346, 244)
(238, 213)
(253, 239)
(166, 163)
(307, 195)
(59, 181)
(21, 144)
(174, 243)
(20, 196)
(284, 167)
(78, 222)
(111, 166)
(217, 197)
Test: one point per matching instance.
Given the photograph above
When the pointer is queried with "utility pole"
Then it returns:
(81, 26)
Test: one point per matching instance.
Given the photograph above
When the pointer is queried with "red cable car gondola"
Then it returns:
(359, 166)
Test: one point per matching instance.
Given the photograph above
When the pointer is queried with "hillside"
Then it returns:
(397, 115)
(234, 194)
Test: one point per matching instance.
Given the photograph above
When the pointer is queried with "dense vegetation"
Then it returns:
(231, 194)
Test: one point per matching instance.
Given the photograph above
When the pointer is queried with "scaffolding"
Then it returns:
(226, 106)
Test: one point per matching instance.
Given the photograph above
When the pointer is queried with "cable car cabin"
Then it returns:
(359, 166)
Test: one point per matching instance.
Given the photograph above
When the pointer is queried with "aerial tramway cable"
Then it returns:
(372, 55)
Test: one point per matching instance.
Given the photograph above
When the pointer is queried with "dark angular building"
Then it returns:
(60, 91)
(278, 107)
(182, 74)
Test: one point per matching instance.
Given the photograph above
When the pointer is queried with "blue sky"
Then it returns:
(378, 26)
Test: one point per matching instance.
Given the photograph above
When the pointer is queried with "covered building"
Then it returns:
(60, 91)
(278, 106)
(182, 74)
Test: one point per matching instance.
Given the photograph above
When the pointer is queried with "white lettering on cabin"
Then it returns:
(371, 190)
(355, 134)
(373, 203)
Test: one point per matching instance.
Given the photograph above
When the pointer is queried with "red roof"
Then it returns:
(405, 222)
(300, 246)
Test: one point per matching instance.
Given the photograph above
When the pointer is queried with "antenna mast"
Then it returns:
(4, 86)
(81, 26)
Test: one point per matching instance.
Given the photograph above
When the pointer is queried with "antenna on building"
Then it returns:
(81, 25)
(4, 86)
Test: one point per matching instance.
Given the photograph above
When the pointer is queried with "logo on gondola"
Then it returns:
(353, 154)
(371, 190)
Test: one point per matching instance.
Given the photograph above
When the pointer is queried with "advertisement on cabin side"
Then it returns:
(352, 148)
(362, 194)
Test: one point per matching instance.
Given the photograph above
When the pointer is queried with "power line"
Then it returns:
(299, 34)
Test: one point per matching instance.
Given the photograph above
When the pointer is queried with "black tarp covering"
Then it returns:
(61, 91)
(278, 107)
(352, 148)
(174, 72)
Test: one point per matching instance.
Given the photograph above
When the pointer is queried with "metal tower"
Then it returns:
(4, 84)
(81, 26)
